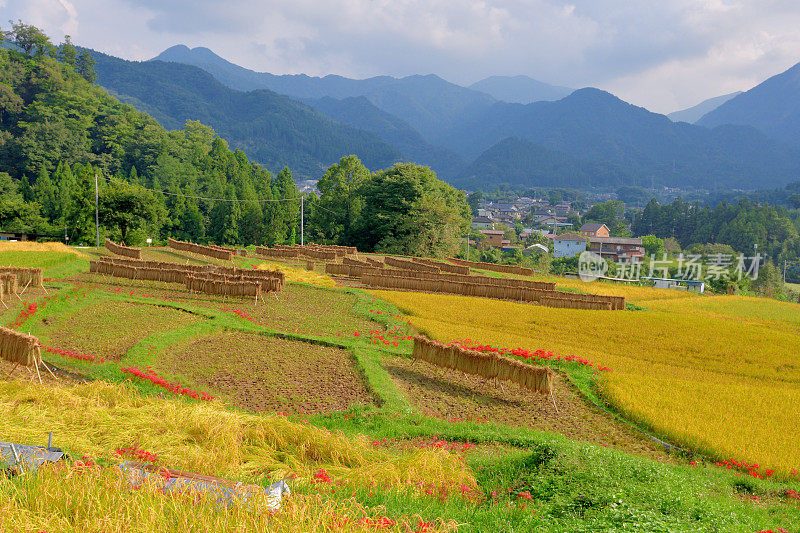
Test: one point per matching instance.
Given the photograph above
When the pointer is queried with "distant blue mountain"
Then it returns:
(588, 136)
(427, 103)
(694, 113)
(271, 129)
(520, 89)
(772, 106)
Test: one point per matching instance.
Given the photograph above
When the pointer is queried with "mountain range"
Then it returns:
(772, 106)
(511, 130)
(696, 112)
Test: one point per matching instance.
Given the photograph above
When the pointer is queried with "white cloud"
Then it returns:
(664, 56)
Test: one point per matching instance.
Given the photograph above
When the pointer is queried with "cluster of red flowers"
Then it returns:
(175, 388)
(792, 494)
(751, 470)
(779, 530)
(390, 338)
(527, 354)
(134, 451)
(382, 522)
(26, 313)
(321, 476)
(242, 314)
(74, 355)
(383, 313)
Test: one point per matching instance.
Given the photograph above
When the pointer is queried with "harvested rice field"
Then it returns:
(109, 329)
(302, 309)
(435, 392)
(267, 374)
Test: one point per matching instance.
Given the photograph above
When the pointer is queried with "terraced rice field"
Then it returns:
(260, 373)
(696, 369)
(457, 396)
(110, 329)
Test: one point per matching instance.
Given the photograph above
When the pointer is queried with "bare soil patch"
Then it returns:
(436, 392)
(261, 373)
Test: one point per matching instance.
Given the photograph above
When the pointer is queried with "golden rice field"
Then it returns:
(98, 418)
(300, 275)
(30, 246)
(718, 373)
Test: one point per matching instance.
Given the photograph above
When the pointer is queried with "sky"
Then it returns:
(664, 55)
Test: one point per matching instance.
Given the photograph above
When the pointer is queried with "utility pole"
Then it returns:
(96, 210)
(302, 221)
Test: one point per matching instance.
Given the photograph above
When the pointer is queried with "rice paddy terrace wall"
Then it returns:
(133, 253)
(486, 365)
(210, 251)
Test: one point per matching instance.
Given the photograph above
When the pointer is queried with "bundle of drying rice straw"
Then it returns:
(19, 348)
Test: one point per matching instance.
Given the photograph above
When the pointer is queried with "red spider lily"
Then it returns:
(321, 476)
(175, 388)
(74, 355)
(527, 354)
(142, 455)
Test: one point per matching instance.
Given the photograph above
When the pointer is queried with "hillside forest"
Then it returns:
(59, 131)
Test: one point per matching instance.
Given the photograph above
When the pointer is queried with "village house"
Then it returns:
(594, 229)
(493, 238)
(568, 245)
(482, 223)
(617, 249)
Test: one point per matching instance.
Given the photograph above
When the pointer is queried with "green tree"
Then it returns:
(340, 202)
(30, 39)
(408, 210)
(653, 246)
(126, 208)
(66, 52)
(84, 65)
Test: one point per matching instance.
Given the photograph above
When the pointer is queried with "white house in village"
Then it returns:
(568, 245)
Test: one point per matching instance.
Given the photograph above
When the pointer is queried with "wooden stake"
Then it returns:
(48, 369)
(26, 287)
(554, 401)
(12, 370)
(38, 375)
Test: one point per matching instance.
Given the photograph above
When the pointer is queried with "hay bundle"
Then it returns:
(241, 289)
(408, 264)
(25, 276)
(210, 251)
(9, 283)
(485, 365)
(127, 251)
(19, 348)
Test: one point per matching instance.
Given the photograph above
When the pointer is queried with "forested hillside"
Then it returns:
(58, 130)
(360, 113)
(272, 129)
(519, 163)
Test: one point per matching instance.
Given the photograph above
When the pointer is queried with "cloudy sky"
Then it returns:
(663, 55)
